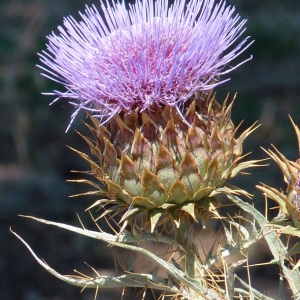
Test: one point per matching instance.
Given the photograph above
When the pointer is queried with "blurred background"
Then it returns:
(35, 162)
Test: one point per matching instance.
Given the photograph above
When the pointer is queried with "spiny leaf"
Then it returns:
(122, 241)
(108, 281)
(275, 245)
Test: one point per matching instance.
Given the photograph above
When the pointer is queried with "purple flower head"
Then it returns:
(124, 60)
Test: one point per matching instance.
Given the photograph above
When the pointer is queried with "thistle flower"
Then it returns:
(162, 146)
(162, 142)
(148, 55)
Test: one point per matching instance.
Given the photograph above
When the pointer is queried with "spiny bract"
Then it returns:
(289, 202)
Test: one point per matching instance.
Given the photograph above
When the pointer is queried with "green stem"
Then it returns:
(184, 235)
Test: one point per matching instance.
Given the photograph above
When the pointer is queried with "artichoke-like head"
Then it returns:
(141, 70)
(166, 162)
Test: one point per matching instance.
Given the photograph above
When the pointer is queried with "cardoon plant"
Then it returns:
(163, 149)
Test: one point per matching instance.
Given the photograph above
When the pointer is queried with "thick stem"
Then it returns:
(184, 235)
